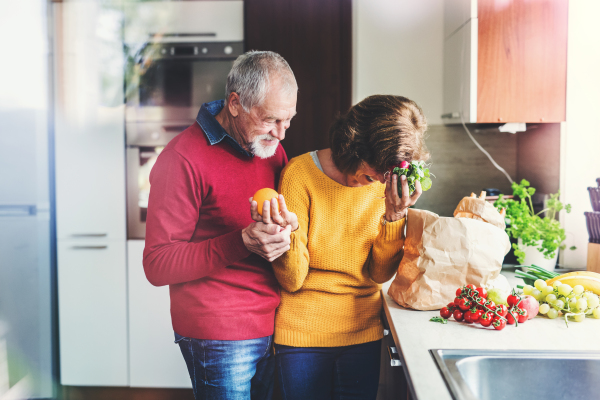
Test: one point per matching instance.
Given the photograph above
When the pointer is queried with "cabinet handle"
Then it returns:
(386, 332)
(89, 247)
(89, 235)
(394, 359)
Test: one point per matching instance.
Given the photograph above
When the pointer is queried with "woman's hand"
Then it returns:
(395, 206)
(271, 215)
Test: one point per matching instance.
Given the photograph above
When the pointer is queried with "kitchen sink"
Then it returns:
(520, 374)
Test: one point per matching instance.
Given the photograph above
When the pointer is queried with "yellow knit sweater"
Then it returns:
(338, 257)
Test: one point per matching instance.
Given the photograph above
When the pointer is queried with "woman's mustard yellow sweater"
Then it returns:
(338, 257)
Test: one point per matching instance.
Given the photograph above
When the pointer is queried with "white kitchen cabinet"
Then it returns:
(92, 313)
(90, 193)
(155, 360)
(505, 61)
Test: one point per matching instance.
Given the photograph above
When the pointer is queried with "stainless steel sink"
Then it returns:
(520, 374)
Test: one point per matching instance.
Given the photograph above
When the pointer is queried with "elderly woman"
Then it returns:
(348, 239)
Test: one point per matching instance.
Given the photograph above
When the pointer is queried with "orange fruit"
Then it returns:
(265, 194)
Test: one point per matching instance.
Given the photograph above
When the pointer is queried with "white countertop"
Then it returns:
(415, 335)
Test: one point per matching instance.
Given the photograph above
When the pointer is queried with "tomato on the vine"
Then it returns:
(458, 292)
(458, 315)
(464, 304)
(486, 319)
(510, 316)
(445, 313)
(521, 315)
(512, 300)
(472, 287)
(482, 292)
(467, 317)
(474, 314)
(499, 323)
(490, 304)
(451, 305)
(481, 301)
(501, 310)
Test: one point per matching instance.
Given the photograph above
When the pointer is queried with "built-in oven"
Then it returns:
(178, 57)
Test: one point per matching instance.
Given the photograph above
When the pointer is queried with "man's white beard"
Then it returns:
(262, 151)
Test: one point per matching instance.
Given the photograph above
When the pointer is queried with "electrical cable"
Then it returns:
(462, 119)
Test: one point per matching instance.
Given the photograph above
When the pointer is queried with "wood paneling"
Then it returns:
(315, 37)
(538, 157)
(522, 60)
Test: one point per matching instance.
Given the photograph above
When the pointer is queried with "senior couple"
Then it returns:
(293, 294)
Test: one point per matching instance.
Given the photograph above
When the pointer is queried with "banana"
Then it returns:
(589, 280)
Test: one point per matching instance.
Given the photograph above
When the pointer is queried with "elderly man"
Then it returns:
(201, 240)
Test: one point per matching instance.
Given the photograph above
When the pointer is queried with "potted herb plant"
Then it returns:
(536, 235)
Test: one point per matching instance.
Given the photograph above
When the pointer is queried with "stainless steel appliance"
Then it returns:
(179, 55)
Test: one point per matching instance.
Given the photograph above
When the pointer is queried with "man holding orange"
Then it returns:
(201, 240)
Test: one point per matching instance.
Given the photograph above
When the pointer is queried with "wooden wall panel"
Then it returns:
(315, 37)
(522, 60)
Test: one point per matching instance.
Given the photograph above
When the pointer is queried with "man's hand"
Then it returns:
(267, 240)
(271, 215)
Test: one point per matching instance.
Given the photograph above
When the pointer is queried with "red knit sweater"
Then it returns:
(197, 209)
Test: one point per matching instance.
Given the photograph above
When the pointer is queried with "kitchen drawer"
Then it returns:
(392, 380)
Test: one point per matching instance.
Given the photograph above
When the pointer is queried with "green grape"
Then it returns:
(582, 304)
(547, 290)
(579, 317)
(565, 289)
(559, 304)
(593, 301)
(556, 284)
(540, 284)
(544, 308)
(527, 289)
(573, 302)
(537, 295)
(552, 313)
(596, 312)
(578, 289)
(587, 295)
(551, 297)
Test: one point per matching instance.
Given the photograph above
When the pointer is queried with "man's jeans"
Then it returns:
(229, 369)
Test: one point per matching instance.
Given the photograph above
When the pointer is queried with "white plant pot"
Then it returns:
(535, 257)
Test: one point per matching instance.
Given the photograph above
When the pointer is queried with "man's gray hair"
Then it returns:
(250, 77)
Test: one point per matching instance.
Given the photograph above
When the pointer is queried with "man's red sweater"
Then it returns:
(197, 209)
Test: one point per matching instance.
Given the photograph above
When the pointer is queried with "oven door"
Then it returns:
(169, 82)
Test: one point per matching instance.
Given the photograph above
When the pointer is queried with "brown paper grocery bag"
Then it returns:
(442, 254)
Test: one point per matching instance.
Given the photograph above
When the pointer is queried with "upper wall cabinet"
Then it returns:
(505, 60)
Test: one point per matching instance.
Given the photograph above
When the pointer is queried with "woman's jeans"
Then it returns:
(340, 373)
(229, 369)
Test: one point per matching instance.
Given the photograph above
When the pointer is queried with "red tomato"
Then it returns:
(458, 291)
(499, 323)
(522, 315)
(482, 292)
(472, 287)
(458, 315)
(451, 305)
(512, 300)
(445, 313)
(490, 304)
(502, 310)
(486, 319)
(481, 301)
(474, 314)
(509, 317)
(467, 317)
(464, 304)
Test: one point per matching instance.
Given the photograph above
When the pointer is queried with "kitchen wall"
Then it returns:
(580, 145)
(398, 49)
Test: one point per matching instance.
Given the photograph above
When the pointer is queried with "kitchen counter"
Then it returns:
(415, 335)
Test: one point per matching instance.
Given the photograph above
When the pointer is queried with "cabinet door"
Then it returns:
(92, 304)
(89, 120)
(155, 360)
(460, 74)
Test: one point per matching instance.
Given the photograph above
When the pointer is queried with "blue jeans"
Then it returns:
(229, 369)
(340, 373)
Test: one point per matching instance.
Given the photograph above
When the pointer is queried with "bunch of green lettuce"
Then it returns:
(414, 171)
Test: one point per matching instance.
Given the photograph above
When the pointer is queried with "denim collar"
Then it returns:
(212, 129)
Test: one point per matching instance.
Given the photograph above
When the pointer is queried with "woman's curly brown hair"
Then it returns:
(381, 130)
